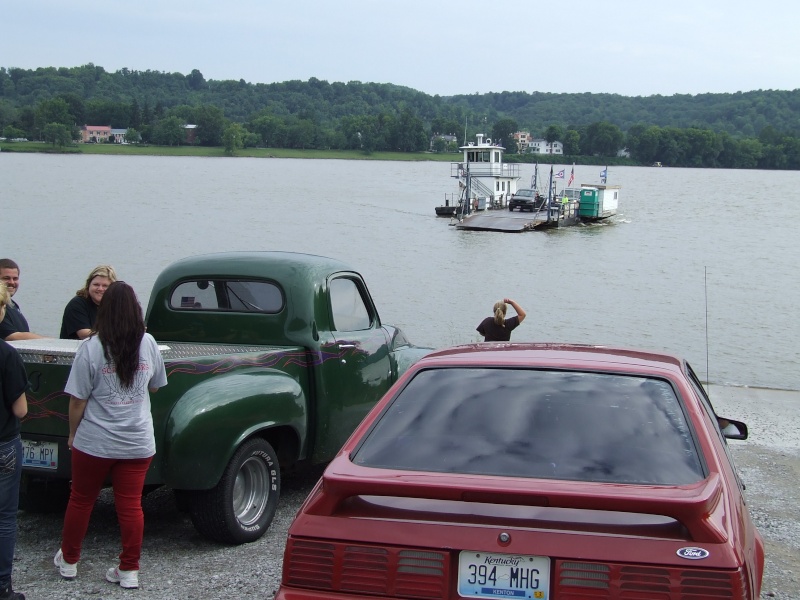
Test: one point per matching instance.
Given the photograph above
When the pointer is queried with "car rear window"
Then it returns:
(532, 423)
(525, 192)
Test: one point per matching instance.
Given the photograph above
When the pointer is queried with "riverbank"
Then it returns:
(219, 152)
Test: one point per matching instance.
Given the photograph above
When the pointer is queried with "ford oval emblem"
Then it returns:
(693, 553)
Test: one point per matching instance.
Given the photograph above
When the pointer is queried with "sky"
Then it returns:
(444, 47)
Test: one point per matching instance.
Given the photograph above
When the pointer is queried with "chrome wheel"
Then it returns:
(251, 490)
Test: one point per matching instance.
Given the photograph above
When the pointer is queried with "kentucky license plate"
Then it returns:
(487, 575)
(40, 455)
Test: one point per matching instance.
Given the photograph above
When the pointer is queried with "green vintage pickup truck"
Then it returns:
(272, 360)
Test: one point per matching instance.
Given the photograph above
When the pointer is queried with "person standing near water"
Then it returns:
(498, 328)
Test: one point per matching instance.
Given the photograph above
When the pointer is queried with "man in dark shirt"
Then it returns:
(14, 326)
(13, 406)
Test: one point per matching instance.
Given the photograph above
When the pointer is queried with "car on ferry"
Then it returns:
(526, 199)
(538, 471)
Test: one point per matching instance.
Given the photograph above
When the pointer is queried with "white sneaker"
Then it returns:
(66, 570)
(127, 579)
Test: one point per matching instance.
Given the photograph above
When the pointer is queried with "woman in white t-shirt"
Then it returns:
(111, 428)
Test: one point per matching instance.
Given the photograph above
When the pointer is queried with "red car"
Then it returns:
(539, 471)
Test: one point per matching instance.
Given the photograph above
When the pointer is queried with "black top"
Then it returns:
(14, 381)
(80, 313)
(13, 322)
(492, 332)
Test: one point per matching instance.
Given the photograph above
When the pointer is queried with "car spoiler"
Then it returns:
(697, 506)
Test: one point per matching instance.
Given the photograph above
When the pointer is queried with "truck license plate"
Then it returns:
(487, 575)
(40, 455)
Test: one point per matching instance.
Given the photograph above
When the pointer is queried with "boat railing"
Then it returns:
(481, 189)
(567, 210)
(478, 169)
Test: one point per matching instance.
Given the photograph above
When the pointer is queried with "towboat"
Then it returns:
(484, 181)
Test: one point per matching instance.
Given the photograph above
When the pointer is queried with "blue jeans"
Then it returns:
(10, 473)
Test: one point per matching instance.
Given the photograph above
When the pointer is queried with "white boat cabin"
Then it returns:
(491, 182)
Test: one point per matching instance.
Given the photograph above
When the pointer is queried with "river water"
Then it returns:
(698, 262)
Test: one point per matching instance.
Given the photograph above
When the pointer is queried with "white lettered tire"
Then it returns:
(242, 505)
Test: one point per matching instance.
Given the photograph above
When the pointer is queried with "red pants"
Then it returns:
(127, 478)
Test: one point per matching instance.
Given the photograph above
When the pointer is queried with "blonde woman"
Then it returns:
(497, 328)
(81, 312)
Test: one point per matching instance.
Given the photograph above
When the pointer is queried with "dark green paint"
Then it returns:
(287, 377)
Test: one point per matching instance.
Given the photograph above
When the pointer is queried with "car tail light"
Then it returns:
(378, 570)
(585, 580)
(425, 574)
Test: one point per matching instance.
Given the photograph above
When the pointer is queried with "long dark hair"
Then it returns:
(120, 327)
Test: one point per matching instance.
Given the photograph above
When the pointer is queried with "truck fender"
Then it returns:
(209, 422)
(402, 352)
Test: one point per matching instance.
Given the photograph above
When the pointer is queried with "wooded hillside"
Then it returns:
(756, 128)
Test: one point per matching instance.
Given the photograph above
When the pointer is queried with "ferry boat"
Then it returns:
(553, 209)
(485, 182)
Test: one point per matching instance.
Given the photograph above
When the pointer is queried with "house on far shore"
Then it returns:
(449, 140)
(95, 133)
(119, 135)
(522, 138)
(542, 146)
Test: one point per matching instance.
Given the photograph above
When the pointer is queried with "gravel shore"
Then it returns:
(178, 563)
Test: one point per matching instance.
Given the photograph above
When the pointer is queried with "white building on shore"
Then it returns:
(542, 146)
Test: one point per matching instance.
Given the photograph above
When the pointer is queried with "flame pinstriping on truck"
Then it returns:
(269, 359)
(38, 407)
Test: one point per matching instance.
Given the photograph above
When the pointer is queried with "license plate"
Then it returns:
(487, 575)
(40, 455)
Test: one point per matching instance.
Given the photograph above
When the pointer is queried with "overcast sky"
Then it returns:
(446, 47)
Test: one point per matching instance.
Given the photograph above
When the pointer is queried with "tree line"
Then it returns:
(754, 129)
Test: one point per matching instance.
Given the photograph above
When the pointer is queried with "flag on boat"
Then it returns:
(560, 174)
(603, 175)
(571, 176)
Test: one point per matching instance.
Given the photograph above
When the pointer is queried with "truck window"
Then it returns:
(347, 306)
(233, 295)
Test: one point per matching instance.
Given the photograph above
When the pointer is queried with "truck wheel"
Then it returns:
(242, 505)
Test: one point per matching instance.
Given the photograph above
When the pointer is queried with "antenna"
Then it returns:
(705, 293)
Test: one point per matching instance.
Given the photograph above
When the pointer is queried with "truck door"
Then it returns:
(357, 371)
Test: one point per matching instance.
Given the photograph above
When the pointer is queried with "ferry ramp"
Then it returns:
(502, 220)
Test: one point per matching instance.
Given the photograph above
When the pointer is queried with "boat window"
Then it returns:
(228, 295)
(478, 156)
(349, 311)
